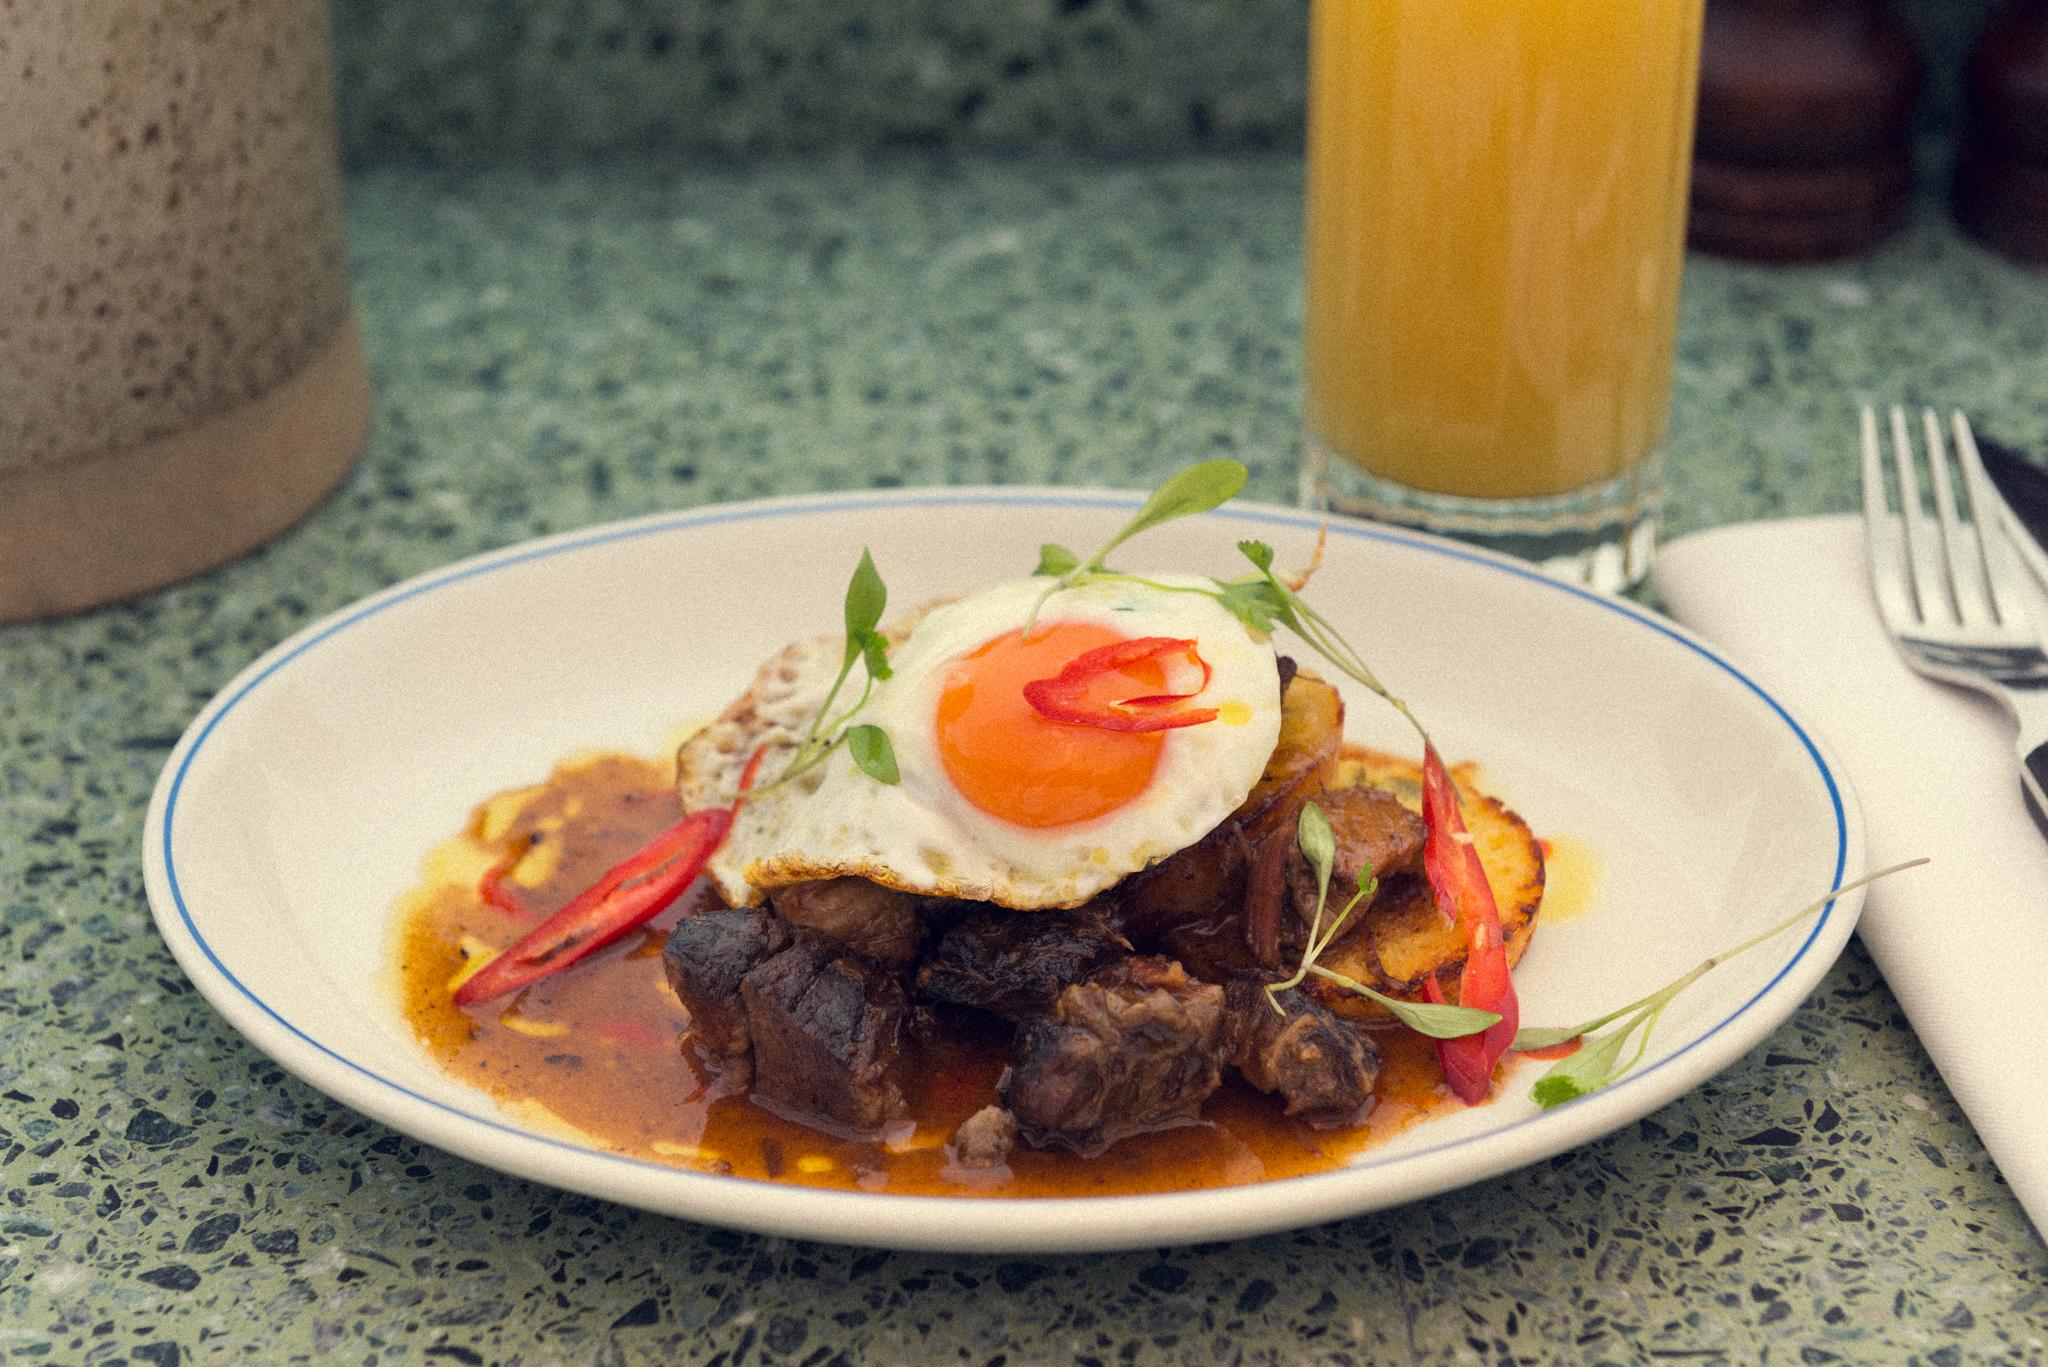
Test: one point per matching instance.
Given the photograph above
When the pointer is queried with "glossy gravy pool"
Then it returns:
(597, 1048)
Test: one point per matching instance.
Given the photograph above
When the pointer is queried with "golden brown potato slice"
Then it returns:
(1404, 937)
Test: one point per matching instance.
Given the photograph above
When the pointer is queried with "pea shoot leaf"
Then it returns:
(1437, 1022)
(1196, 489)
(870, 748)
(1598, 1061)
(1318, 842)
(1546, 1037)
(1055, 560)
(866, 596)
(1319, 846)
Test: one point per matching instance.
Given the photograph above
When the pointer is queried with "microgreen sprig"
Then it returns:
(1598, 1062)
(1319, 844)
(1261, 601)
(1196, 489)
(867, 745)
(1264, 598)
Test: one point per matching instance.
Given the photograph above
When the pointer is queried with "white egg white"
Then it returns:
(921, 835)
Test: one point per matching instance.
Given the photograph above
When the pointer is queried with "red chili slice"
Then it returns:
(1451, 862)
(657, 872)
(1064, 697)
(633, 893)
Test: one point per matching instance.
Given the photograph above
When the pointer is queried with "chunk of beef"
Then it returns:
(829, 1036)
(1015, 963)
(1373, 831)
(1322, 1065)
(706, 957)
(881, 923)
(984, 1139)
(1134, 1048)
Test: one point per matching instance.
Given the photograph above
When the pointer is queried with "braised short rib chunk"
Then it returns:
(1320, 1064)
(881, 923)
(1132, 1049)
(829, 1034)
(1015, 963)
(705, 959)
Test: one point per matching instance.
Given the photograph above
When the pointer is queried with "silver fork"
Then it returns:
(1949, 587)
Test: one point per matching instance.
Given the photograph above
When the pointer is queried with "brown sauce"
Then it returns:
(597, 1048)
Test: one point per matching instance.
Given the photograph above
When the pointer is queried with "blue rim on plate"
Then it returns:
(164, 814)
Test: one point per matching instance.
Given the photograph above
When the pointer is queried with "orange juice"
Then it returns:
(1496, 214)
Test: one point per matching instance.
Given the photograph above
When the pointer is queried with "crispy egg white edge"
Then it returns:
(921, 835)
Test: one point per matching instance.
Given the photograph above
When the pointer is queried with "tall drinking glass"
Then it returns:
(1496, 223)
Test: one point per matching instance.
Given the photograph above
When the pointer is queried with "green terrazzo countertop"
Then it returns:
(556, 349)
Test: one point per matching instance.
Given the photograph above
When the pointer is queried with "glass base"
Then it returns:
(1601, 536)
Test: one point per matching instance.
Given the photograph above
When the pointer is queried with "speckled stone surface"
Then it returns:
(580, 76)
(552, 350)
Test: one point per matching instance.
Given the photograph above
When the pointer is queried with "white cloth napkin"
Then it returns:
(1963, 941)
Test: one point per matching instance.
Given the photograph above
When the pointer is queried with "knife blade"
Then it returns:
(2023, 487)
(2022, 491)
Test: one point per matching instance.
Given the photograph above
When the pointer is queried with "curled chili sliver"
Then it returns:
(494, 888)
(1064, 697)
(1451, 862)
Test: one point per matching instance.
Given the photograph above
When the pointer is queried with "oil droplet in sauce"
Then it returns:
(1571, 878)
(600, 1050)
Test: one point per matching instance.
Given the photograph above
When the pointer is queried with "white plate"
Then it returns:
(297, 807)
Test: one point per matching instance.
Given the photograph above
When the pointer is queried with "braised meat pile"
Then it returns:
(1126, 1013)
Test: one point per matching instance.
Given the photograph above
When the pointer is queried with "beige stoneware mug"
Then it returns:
(181, 375)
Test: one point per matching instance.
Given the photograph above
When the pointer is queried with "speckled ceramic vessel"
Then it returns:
(180, 375)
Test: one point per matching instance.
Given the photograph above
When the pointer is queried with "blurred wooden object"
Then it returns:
(1803, 147)
(2001, 189)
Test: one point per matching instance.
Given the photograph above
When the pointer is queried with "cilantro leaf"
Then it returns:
(1253, 602)
(1597, 1063)
(874, 649)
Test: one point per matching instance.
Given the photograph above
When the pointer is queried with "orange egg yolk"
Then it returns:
(1012, 763)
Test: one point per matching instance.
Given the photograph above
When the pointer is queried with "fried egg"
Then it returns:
(995, 802)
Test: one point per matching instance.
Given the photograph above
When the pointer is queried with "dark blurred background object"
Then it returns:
(1803, 150)
(2001, 185)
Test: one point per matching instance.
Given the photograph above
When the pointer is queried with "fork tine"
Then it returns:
(1881, 533)
(1964, 558)
(1930, 591)
(2000, 567)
